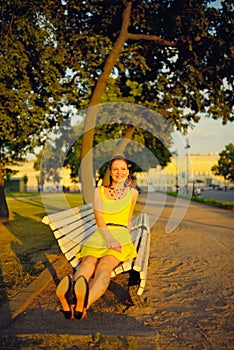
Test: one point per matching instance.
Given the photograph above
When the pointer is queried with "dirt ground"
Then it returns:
(189, 290)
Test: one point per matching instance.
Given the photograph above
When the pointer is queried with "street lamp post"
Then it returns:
(187, 159)
(177, 173)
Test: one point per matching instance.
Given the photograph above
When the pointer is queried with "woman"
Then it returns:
(109, 245)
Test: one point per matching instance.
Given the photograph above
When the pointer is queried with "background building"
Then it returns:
(193, 170)
(26, 168)
(184, 172)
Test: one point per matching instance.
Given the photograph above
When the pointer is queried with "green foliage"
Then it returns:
(225, 165)
(49, 168)
(53, 52)
(192, 73)
(51, 159)
(214, 202)
(30, 73)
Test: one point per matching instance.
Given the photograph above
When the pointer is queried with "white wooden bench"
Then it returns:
(72, 227)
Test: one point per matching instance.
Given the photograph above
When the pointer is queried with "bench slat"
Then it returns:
(147, 250)
(65, 213)
(123, 267)
(68, 244)
(119, 269)
(141, 287)
(143, 271)
(74, 262)
(140, 291)
(71, 219)
(138, 260)
(136, 221)
(74, 229)
(127, 265)
(136, 238)
(142, 250)
(144, 268)
(72, 252)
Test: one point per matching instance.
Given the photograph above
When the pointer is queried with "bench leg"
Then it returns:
(133, 285)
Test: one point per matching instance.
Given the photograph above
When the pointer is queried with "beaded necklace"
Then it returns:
(117, 193)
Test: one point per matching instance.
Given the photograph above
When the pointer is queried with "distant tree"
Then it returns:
(225, 165)
(50, 167)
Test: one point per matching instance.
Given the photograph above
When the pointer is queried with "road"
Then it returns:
(227, 196)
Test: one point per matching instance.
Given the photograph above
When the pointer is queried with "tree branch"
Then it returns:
(91, 115)
(149, 37)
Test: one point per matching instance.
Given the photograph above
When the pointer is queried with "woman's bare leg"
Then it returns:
(86, 268)
(101, 279)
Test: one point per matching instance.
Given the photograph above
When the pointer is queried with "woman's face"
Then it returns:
(119, 170)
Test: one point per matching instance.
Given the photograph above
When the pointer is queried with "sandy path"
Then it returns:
(190, 279)
(190, 286)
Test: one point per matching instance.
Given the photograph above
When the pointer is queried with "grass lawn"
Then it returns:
(22, 194)
(27, 245)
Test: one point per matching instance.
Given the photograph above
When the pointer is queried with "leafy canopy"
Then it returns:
(177, 59)
(225, 165)
(52, 53)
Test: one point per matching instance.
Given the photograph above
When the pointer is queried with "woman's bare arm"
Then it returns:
(134, 200)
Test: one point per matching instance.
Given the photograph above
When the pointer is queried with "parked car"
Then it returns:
(209, 187)
(219, 188)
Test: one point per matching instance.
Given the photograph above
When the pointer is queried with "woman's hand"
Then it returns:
(111, 242)
(114, 244)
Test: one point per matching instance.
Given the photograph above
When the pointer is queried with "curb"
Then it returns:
(23, 299)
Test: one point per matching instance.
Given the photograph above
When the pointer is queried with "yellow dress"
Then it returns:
(115, 212)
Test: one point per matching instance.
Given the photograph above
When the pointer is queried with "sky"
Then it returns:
(207, 136)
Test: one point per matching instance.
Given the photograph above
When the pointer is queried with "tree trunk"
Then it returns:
(119, 150)
(87, 174)
(4, 212)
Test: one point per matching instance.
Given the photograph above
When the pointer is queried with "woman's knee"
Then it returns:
(107, 263)
(87, 267)
(90, 261)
